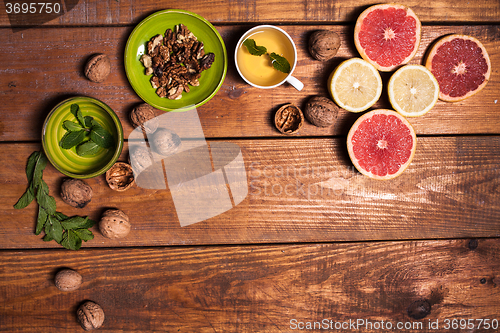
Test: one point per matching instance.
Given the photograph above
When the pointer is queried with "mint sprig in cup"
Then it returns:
(266, 57)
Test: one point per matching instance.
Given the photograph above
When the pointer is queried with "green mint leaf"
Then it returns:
(42, 219)
(102, 137)
(75, 110)
(71, 139)
(253, 48)
(43, 187)
(88, 148)
(30, 166)
(72, 222)
(88, 121)
(84, 234)
(71, 126)
(54, 229)
(60, 216)
(40, 165)
(34, 165)
(280, 63)
(89, 223)
(47, 238)
(71, 240)
(26, 198)
(77, 222)
(47, 202)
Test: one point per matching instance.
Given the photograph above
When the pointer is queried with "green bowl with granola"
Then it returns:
(198, 86)
(82, 137)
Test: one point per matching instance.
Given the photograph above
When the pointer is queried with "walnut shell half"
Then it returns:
(289, 119)
(120, 177)
(76, 192)
(114, 224)
(90, 315)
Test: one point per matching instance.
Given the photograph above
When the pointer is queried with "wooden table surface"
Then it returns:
(421, 249)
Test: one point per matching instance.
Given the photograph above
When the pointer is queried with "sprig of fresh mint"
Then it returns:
(67, 231)
(87, 134)
(279, 63)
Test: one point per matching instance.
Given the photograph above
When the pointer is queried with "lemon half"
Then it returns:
(413, 90)
(355, 85)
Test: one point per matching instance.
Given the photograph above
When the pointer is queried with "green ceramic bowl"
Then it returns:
(66, 160)
(210, 81)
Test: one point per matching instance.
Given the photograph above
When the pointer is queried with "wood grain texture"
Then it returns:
(112, 12)
(46, 67)
(299, 190)
(254, 288)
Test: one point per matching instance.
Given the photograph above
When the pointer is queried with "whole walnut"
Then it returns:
(76, 192)
(90, 315)
(166, 142)
(98, 68)
(324, 44)
(321, 111)
(68, 280)
(140, 159)
(114, 224)
(144, 115)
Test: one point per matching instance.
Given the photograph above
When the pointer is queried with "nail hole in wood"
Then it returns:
(419, 309)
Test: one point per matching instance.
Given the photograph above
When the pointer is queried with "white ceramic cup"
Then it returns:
(289, 78)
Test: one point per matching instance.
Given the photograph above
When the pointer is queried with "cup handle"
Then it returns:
(295, 82)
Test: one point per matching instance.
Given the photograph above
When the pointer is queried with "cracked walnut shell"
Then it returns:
(289, 119)
(76, 192)
(114, 224)
(90, 316)
(120, 177)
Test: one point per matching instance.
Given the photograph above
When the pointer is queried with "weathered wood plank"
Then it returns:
(299, 190)
(42, 68)
(111, 12)
(256, 288)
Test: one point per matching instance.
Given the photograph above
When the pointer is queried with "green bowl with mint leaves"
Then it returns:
(82, 137)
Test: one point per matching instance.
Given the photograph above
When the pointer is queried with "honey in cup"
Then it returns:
(258, 69)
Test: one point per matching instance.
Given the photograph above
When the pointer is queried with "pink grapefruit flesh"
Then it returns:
(381, 144)
(387, 35)
(461, 66)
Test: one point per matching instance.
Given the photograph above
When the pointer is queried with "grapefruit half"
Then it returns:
(387, 35)
(461, 65)
(381, 144)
